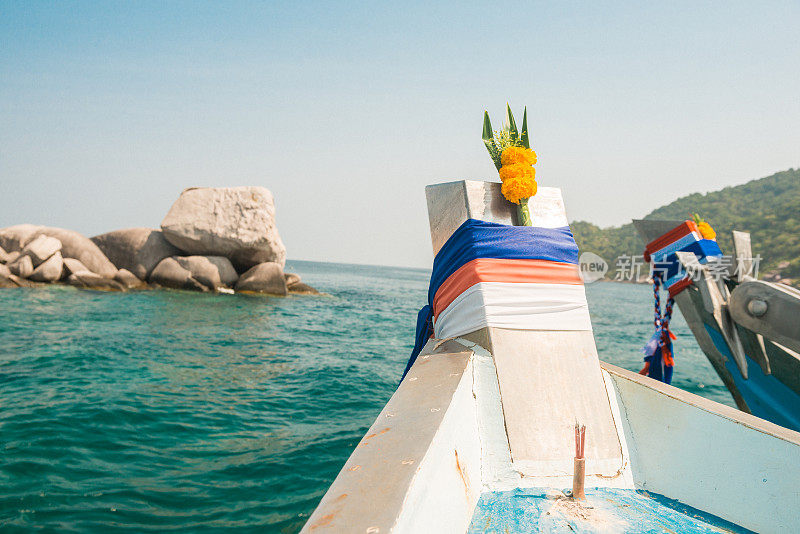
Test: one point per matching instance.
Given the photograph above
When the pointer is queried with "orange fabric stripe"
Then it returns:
(503, 270)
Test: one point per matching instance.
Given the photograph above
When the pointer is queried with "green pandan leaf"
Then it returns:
(512, 126)
(524, 137)
(488, 140)
(488, 134)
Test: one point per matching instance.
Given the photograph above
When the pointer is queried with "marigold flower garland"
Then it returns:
(512, 155)
(705, 229)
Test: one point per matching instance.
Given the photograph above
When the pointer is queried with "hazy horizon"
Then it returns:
(345, 111)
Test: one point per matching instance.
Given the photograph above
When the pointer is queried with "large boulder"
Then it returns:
(49, 270)
(263, 278)
(40, 248)
(75, 245)
(235, 222)
(22, 266)
(169, 273)
(211, 271)
(138, 250)
(14, 238)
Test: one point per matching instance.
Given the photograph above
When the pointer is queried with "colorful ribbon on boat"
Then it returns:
(683, 238)
(518, 277)
(659, 360)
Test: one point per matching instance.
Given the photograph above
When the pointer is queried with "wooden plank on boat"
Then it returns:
(548, 381)
(372, 487)
(744, 255)
(452, 203)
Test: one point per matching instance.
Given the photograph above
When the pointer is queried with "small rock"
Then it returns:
(4, 270)
(72, 266)
(13, 280)
(49, 270)
(169, 273)
(306, 289)
(90, 280)
(40, 248)
(265, 277)
(128, 279)
(23, 266)
(138, 250)
(211, 271)
(11, 257)
(291, 279)
(22, 282)
(294, 285)
(3, 256)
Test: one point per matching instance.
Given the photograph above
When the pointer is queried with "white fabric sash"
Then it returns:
(521, 306)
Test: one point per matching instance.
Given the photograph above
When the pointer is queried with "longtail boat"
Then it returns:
(747, 328)
(517, 426)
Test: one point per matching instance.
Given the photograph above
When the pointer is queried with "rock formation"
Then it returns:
(209, 236)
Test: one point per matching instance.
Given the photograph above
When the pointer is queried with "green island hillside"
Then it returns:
(768, 208)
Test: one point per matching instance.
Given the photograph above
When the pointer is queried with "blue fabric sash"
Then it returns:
(653, 354)
(670, 265)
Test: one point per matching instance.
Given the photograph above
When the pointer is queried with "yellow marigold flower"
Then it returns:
(517, 170)
(515, 189)
(518, 155)
(706, 231)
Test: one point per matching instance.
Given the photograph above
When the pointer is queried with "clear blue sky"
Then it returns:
(347, 110)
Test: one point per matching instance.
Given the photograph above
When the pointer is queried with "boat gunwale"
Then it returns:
(707, 405)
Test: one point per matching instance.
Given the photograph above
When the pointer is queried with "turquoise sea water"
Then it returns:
(175, 411)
